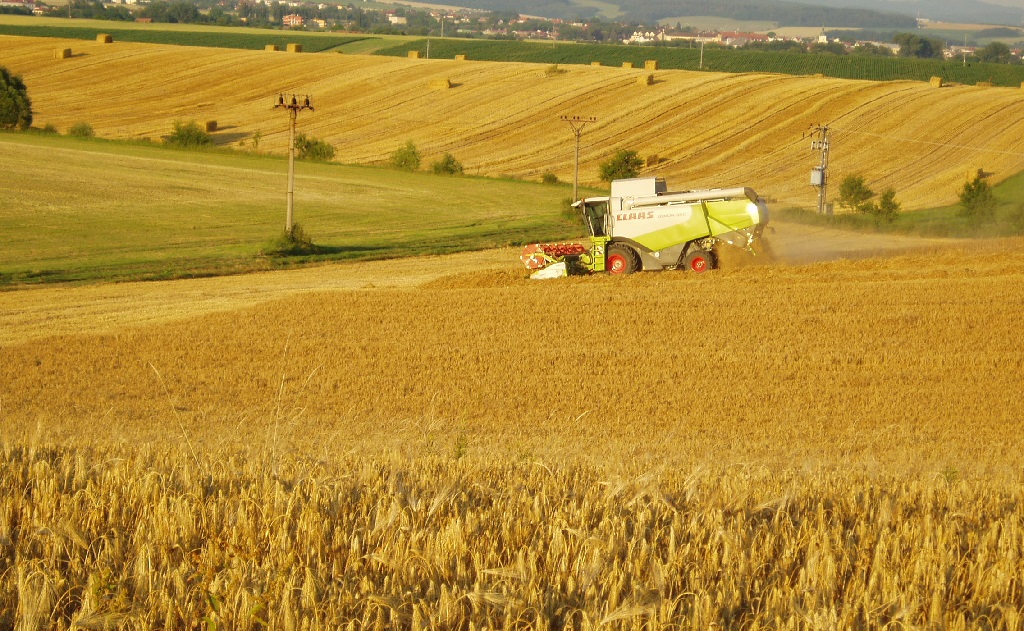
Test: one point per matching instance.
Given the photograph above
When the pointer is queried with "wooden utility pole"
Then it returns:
(577, 123)
(293, 106)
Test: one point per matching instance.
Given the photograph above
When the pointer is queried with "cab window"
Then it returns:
(595, 213)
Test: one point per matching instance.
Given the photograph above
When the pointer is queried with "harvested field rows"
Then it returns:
(475, 348)
(502, 118)
(834, 445)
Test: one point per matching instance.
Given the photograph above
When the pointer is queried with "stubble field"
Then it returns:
(705, 129)
(830, 445)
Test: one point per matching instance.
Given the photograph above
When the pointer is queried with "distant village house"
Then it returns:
(19, 4)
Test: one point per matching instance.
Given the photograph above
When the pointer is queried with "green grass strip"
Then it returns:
(946, 221)
(93, 210)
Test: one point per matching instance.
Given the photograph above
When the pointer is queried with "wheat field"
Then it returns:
(705, 129)
(442, 443)
(821, 446)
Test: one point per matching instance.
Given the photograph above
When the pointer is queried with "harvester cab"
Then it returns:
(594, 211)
(643, 226)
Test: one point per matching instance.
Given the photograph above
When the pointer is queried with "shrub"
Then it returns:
(81, 130)
(887, 208)
(49, 128)
(447, 165)
(406, 158)
(624, 164)
(295, 243)
(977, 201)
(15, 106)
(309, 148)
(1017, 218)
(549, 178)
(571, 214)
(189, 135)
(854, 194)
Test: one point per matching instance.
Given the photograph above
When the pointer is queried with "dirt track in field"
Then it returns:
(64, 310)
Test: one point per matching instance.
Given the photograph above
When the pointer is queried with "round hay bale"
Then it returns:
(627, 64)
(651, 64)
(936, 82)
(105, 38)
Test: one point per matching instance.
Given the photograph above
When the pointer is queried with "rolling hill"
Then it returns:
(705, 129)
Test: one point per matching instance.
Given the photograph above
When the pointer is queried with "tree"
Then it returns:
(15, 106)
(995, 53)
(977, 201)
(832, 48)
(447, 165)
(872, 49)
(912, 45)
(624, 164)
(854, 194)
(406, 158)
(887, 207)
(309, 148)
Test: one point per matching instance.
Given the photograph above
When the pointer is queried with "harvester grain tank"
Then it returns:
(641, 225)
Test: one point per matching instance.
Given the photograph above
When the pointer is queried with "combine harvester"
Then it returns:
(642, 226)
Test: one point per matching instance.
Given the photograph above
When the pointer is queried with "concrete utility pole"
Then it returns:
(819, 175)
(293, 106)
(577, 123)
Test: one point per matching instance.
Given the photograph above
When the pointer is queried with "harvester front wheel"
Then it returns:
(622, 259)
(700, 260)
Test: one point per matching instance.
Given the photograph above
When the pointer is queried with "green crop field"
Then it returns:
(248, 39)
(93, 210)
(721, 60)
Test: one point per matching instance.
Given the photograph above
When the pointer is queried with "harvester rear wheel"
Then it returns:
(622, 259)
(700, 260)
